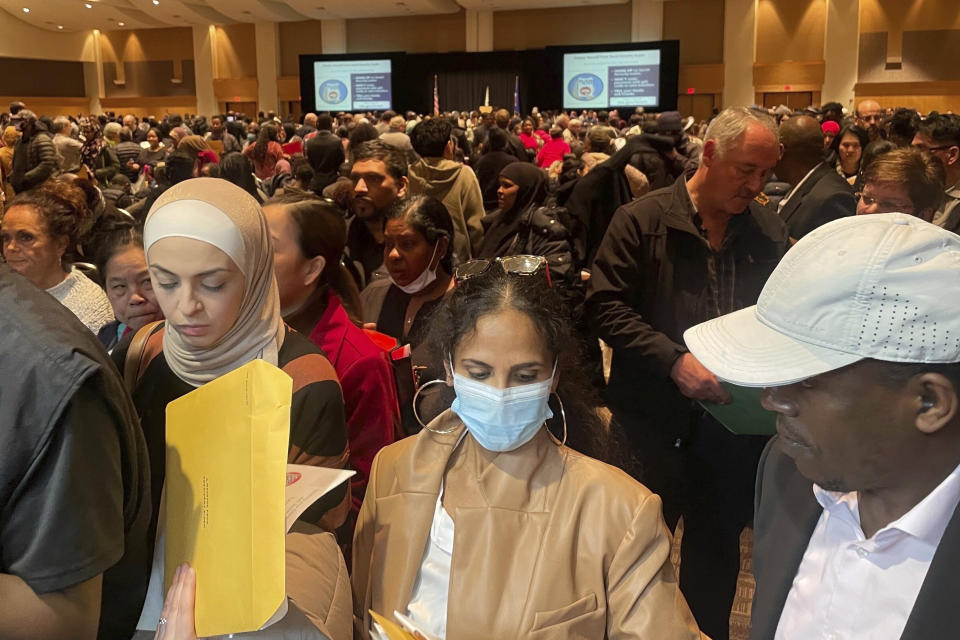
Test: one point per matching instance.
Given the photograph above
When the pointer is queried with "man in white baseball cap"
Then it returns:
(856, 341)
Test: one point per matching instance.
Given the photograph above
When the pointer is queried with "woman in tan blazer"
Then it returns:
(485, 525)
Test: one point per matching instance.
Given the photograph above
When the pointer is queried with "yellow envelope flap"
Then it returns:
(227, 445)
(392, 629)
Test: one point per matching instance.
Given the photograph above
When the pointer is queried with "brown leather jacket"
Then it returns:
(548, 543)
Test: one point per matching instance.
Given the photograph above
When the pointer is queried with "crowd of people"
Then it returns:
(509, 328)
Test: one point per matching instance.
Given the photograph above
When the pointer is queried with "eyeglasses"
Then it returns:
(884, 205)
(519, 265)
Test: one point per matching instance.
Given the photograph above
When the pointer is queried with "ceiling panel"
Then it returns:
(73, 15)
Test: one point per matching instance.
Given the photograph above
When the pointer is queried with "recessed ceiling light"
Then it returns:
(156, 1)
(26, 10)
(59, 26)
(122, 24)
(88, 5)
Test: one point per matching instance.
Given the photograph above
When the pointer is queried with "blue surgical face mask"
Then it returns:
(502, 419)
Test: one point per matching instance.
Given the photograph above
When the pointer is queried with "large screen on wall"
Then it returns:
(607, 77)
(348, 82)
(352, 85)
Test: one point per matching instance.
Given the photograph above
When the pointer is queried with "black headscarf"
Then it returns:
(325, 154)
(532, 182)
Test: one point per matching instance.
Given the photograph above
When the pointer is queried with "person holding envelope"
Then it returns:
(210, 258)
(484, 524)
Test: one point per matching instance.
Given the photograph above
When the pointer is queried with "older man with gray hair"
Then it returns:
(669, 260)
(68, 147)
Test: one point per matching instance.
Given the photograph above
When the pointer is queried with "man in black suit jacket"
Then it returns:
(857, 524)
(819, 194)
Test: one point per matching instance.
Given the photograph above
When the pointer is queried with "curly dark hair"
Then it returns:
(496, 291)
(63, 208)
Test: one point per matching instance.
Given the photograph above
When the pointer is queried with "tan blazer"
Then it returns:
(548, 543)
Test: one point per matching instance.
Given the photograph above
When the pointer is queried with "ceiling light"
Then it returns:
(122, 24)
(60, 26)
(26, 10)
(88, 5)
(156, 2)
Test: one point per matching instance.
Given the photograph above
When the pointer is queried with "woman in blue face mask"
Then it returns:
(485, 525)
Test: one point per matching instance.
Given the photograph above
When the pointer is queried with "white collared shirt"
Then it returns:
(849, 586)
(784, 202)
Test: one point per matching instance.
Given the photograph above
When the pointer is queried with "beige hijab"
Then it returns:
(224, 215)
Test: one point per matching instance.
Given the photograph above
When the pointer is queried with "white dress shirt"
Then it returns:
(849, 586)
(428, 603)
(784, 202)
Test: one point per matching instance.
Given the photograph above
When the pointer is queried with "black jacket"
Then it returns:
(822, 198)
(650, 282)
(34, 160)
(784, 519)
(595, 196)
(537, 231)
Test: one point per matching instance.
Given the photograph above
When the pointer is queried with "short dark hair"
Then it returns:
(497, 139)
(896, 374)
(119, 236)
(922, 174)
(941, 127)
(903, 123)
(324, 122)
(430, 218)
(394, 159)
(430, 137)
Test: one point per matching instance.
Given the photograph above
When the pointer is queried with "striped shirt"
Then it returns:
(318, 433)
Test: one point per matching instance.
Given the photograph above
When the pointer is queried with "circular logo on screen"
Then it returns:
(333, 91)
(585, 86)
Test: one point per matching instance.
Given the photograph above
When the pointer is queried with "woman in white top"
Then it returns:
(39, 233)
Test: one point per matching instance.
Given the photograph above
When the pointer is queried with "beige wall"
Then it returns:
(297, 38)
(21, 40)
(790, 30)
(414, 34)
(698, 25)
(236, 51)
(909, 52)
(561, 25)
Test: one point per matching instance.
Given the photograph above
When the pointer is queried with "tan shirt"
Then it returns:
(548, 543)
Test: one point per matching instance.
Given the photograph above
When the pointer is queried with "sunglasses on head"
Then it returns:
(519, 265)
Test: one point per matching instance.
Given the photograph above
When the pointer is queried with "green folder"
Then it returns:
(744, 415)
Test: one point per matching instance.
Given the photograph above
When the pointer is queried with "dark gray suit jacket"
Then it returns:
(787, 513)
(825, 196)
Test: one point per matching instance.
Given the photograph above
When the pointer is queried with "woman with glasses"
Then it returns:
(319, 299)
(485, 525)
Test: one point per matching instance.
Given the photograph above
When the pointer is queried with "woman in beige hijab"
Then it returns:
(210, 258)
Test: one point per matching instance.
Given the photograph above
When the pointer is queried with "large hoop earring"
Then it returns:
(563, 415)
(416, 414)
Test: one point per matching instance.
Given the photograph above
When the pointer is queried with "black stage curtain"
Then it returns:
(462, 79)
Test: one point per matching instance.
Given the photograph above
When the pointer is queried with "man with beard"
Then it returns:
(379, 176)
(857, 530)
(669, 260)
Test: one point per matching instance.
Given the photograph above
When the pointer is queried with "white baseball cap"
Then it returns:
(883, 286)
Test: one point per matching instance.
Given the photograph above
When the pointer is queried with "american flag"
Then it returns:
(436, 97)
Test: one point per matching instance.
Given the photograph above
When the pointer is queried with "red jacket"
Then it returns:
(551, 152)
(369, 391)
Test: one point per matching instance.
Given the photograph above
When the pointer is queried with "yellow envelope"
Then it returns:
(225, 484)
